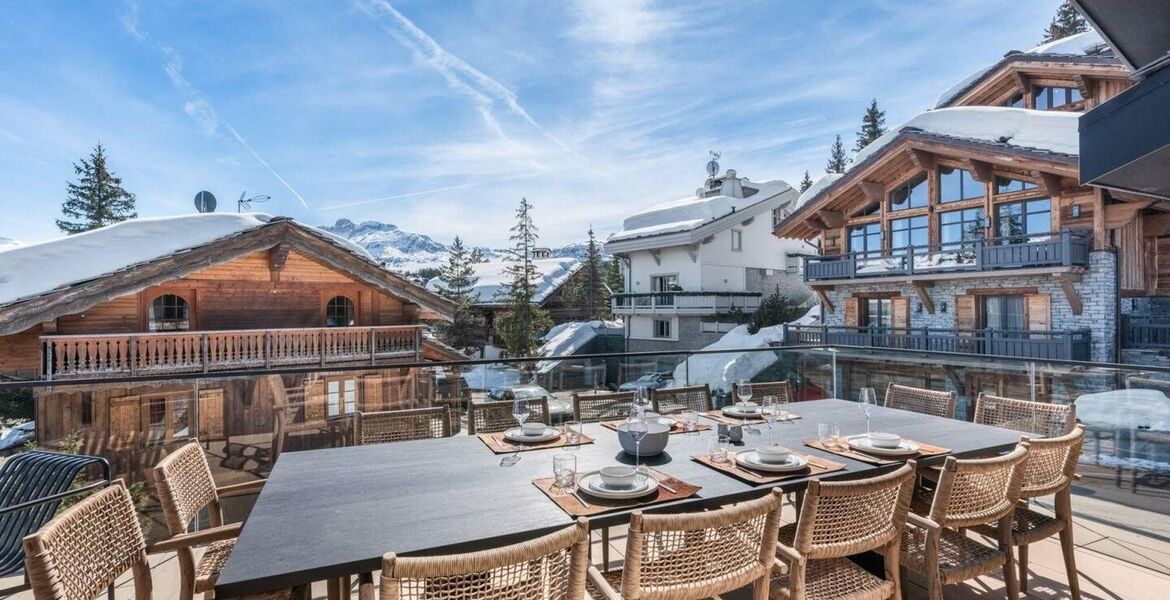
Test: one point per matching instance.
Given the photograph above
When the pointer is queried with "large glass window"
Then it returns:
(960, 226)
(662, 328)
(912, 194)
(664, 283)
(957, 184)
(1027, 220)
(169, 312)
(339, 312)
(1003, 313)
(912, 231)
(878, 313)
(340, 397)
(1050, 98)
(1003, 185)
(865, 238)
(1016, 101)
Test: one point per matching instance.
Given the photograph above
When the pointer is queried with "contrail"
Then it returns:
(426, 192)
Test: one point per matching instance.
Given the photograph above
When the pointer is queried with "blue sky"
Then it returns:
(439, 116)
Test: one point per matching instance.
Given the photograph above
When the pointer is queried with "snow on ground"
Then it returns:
(567, 338)
(34, 269)
(688, 213)
(721, 370)
(9, 243)
(552, 272)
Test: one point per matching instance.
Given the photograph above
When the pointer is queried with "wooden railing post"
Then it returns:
(321, 345)
(205, 351)
(134, 355)
(373, 347)
(267, 349)
(418, 344)
(48, 356)
(1065, 247)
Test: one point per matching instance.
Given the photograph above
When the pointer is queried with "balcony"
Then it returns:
(1066, 249)
(1145, 333)
(1047, 345)
(73, 356)
(685, 303)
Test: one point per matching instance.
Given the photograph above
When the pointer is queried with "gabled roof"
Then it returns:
(40, 282)
(552, 273)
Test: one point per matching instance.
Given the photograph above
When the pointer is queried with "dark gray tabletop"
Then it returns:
(334, 512)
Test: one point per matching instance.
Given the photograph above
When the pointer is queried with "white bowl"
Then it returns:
(885, 440)
(533, 428)
(618, 476)
(774, 453)
(653, 443)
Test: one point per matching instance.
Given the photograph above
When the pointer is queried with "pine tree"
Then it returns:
(97, 199)
(805, 183)
(523, 321)
(873, 125)
(477, 256)
(837, 159)
(613, 275)
(775, 308)
(1066, 22)
(587, 293)
(457, 283)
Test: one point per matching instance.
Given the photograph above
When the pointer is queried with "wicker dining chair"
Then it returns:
(839, 519)
(672, 400)
(1148, 383)
(1038, 418)
(490, 417)
(551, 567)
(969, 493)
(919, 400)
(185, 488)
(89, 546)
(1049, 470)
(780, 390)
(402, 425)
(695, 555)
(591, 408)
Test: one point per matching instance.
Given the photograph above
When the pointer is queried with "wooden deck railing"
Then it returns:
(205, 351)
(1048, 345)
(685, 303)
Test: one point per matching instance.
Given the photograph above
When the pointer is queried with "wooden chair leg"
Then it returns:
(1022, 560)
(604, 549)
(1012, 585)
(366, 586)
(760, 587)
(186, 574)
(1068, 548)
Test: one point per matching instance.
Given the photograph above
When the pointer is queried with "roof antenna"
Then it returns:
(713, 164)
(246, 203)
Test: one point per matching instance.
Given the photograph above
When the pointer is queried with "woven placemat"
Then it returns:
(816, 466)
(848, 452)
(499, 445)
(677, 428)
(731, 420)
(573, 505)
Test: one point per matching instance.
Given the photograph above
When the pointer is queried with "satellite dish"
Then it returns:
(713, 164)
(205, 202)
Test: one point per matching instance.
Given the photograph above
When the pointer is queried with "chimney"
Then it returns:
(541, 252)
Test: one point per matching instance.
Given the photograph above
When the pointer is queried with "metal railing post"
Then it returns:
(979, 254)
(1065, 247)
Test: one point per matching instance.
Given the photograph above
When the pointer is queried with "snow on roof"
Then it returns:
(567, 339)
(819, 185)
(1081, 44)
(689, 213)
(35, 269)
(552, 274)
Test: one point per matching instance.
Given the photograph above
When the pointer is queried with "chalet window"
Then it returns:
(912, 194)
(86, 410)
(340, 397)
(957, 184)
(339, 312)
(865, 238)
(1052, 98)
(1016, 101)
(664, 283)
(958, 226)
(662, 328)
(736, 240)
(1027, 220)
(878, 313)
(169, 312)
(1003, 185)
(911, 231)
(156, 423)
(778, 215)
(793, 264)
(1003, 313)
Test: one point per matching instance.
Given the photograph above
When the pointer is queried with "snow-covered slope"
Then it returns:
(6, 243)
(553, 272)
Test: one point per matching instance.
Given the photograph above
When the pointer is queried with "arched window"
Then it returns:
(339, 312)
(169, 312)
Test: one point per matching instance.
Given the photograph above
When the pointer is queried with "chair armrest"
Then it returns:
(788, 555)
(240, 489)
(607, 592)
(923, 522)
(195, 538)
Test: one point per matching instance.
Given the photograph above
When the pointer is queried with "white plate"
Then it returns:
(669, 422)
(515, 435)
(751, 459)
(735, 412)
(863, 443)
(590, 483)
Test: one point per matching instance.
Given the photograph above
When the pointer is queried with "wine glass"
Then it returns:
(867, 400)
(637, 429)
(743, 389)
(770, 411)
(520, 412)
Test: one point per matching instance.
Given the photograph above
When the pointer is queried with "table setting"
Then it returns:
(746, 413)
(684, 422)
(873, 447)
(528, 436)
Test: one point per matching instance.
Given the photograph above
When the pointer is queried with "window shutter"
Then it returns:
(210, 414)
(1038, 312)
(900, 309)
(966, 315)
(125, 422)
(315, 401)
(852, 312)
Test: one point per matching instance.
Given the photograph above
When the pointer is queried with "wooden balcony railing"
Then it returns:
(206, 351)
(685, 303)
(1049, 345)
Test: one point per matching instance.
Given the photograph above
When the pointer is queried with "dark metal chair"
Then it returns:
(32, 486)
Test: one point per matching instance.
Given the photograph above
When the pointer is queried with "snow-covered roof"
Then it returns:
(825, 181)
(552, 274)
(566, 339)
(1089, 43)
(690, 213)
(35, 269)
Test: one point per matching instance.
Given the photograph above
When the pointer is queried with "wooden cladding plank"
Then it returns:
(1038, 312)
(966, 312)
(900, 312)
(852, 311)
(211, 415)
(125, 422)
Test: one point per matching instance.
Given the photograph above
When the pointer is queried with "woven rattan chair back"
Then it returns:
(699, 555)
(919, 400)
(673, 400)
(549, 567)
(842, 518)
(402, 425)
(86, 548)
(978, 491)
(1135, 382)
(490, 417)
(185, 487)
(780, 390)
(1041, 419)
(1052, 463)
(591, 408)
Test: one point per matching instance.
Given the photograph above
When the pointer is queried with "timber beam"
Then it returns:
(1085, 85)
(831, 218)
(1120, 215)
(820, 290)
(922, 159)
(1051, 183)
(277, 256)
(874, 191)
(1156, 225)
(1070, 293)
(980, 171)
(923, 295)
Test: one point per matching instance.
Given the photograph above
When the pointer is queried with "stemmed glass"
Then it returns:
(771, 411)
(637, 429)
(520, 413)
(743, 389)
(867, 401)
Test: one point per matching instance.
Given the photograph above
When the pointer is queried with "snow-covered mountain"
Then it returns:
(6, 243)
(405, 251)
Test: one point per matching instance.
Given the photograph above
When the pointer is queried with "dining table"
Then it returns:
(330, 514)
